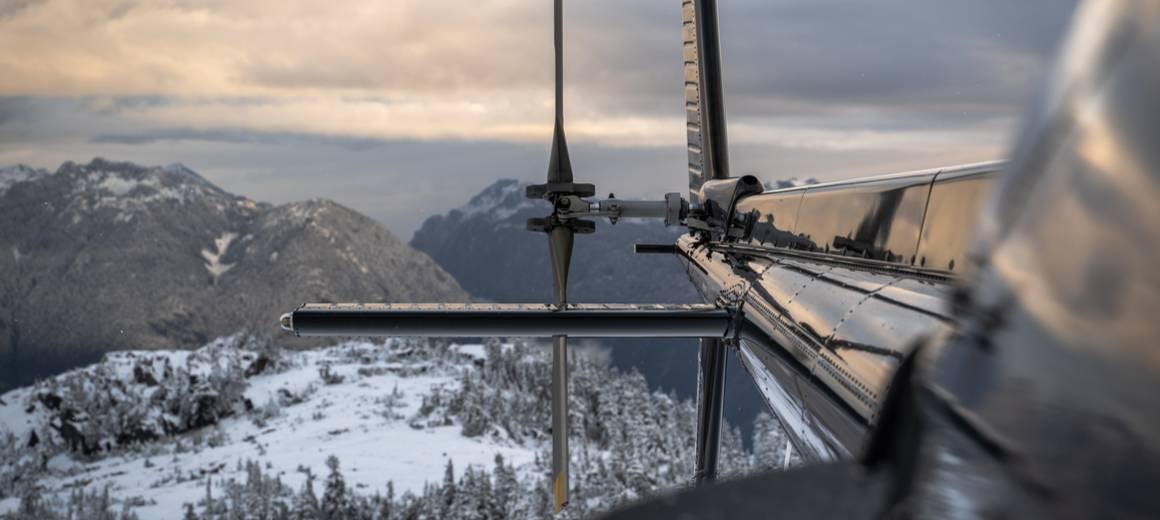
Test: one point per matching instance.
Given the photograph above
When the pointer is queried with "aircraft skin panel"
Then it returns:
(777, 384)
(874, 219)
(1058, 321)
(897, 218)
(954, 197)
(835, 296)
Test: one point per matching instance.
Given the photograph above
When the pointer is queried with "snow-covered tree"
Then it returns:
(306, 502)
(771, 444)
(334, 497)
(506, 488)
(449, 490)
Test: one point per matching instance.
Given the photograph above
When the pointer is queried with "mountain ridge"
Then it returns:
(110, 255)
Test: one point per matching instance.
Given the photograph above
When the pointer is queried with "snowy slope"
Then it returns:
(363, 420)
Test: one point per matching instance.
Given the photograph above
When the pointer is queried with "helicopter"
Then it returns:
(963, 341)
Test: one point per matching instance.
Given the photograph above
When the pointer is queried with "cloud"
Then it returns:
(177, 135)
(412, 103)
(484, 71)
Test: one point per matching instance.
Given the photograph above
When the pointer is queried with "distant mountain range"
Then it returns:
(112, 255)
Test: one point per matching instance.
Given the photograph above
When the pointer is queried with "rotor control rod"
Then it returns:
(673, 209)
(511, 320)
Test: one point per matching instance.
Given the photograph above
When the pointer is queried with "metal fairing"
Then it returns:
(824, 324)
(900, 218)
(1043, 403)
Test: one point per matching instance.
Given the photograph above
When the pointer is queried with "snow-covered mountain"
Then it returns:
(20, 173)
(109, 255)
(421, 428)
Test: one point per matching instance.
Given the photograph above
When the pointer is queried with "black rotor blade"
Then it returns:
(560, 421)
(560, 241)
(559, 165)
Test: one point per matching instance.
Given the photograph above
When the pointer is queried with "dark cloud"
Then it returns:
(17, 114)
(10, 8)
(13, 108)
(227, 136)
(893, 53)
(795, 57)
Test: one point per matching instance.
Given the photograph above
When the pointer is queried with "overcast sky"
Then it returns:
(405, 108)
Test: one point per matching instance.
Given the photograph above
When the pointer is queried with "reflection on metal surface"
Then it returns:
(836, 283)
(896, 218)
(822, 338)
(872, 219)
(948, 228)
(1055, 346)
(777, 384)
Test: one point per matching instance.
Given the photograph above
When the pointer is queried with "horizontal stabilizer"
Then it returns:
(528, 320)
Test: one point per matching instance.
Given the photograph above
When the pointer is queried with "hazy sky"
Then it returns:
(405, 108)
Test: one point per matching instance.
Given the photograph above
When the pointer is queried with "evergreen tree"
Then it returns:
(306, 503)
(449, 491)
(506, 488)
(734, 461)
(385, 509)
(769, 443)
(208, 511)
(487, 506)
(32, 506)
(104, 506)
(334, 498)
(409, 506)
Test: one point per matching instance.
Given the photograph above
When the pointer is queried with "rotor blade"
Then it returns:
(560, 421)
(704, 98)
(560, 240)
(559, 165)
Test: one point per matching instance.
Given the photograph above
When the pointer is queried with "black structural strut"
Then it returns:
(710, 403)
(508, 320)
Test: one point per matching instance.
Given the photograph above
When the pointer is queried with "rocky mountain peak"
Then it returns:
(11, 175)
(498, 201)
(115, 254)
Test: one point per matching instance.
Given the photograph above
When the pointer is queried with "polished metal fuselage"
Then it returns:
(832, 285)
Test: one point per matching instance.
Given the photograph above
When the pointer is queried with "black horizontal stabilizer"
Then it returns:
(657, 249)
(508, 320)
